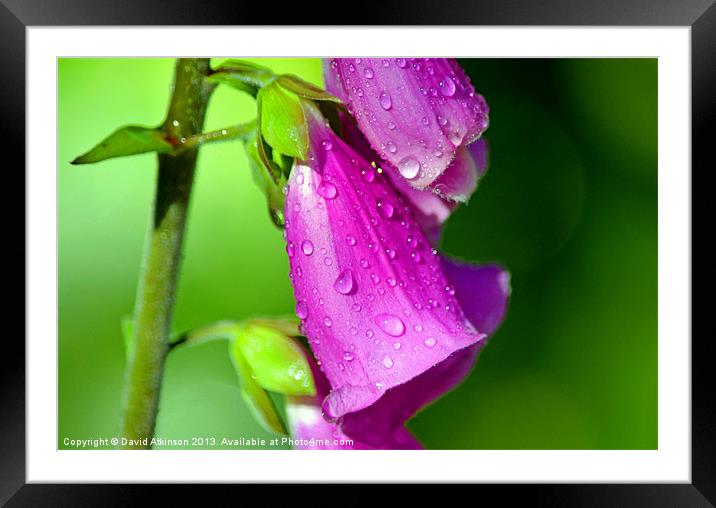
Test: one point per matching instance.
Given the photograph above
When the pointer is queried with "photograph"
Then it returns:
(362, 253)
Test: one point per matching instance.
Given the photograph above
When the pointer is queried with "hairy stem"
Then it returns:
(162, 254)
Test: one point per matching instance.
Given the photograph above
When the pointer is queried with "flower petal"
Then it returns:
(413, 112)
(312, 432)
(483, 292)
(460, 179)
(375, 303)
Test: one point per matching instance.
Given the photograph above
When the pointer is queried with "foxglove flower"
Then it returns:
(374, 299)
(483, 292)
(456, 185)
(416, 113)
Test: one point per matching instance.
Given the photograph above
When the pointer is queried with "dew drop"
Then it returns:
(350, 240)
(390, 324)
(345, 283)
(364, 263)
(368, 73)
(327, 190)
(391, 126)
(418, 328)
(447, 86)
(368, 175)
(430, 342)
(387, 362)
(391, 282)
(396, 345)
(409, 167)
(390, 146)
(348, 356)
(302, 310)
(400, 62)
(385, 101)
(290, 250)
(327, 321)
(385, 208)
(327, 145)
(307, 247)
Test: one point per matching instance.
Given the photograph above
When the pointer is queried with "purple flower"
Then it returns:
(380, 308)
(483, 292)
(416, 113)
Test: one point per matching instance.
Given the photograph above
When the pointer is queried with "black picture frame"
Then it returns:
(700, 15)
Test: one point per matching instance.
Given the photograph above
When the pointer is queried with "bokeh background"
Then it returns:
(569, 204)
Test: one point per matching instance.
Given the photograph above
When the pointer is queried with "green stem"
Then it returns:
(241, 132)
(162, 253)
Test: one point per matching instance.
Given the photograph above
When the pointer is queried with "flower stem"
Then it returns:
(162, 253)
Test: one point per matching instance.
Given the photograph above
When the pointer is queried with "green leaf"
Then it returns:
(128, 140)
(278, 363)
(243, 75)
(256, 398)
(283, 123)
(268, 177)
(304, 89)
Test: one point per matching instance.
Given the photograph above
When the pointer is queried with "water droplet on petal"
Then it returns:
(290, 249)
(385, 101)
(368, 73)
(400, 62)
(302, 310)
(430, 342)
(385, 208)
(396, 345)
(327, 321)
(447, 86)
(409, 167)
(327, 190)
(307, 247)
(347, 356)
(390, 324)
(327, 145)
(345, 283)
(350, 240)
(387, 362)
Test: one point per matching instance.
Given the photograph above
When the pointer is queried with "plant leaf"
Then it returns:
(255, 397)
(243, 75)
(268, 177)
(128, 140)
(282, 121)
(304, 89)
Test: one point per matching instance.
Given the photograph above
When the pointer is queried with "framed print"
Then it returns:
(324, 253)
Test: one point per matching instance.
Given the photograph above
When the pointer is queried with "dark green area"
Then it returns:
(569, 204)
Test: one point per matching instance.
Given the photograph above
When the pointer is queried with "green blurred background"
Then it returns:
(569, 205)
